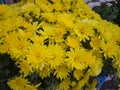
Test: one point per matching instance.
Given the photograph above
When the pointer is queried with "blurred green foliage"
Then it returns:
(108, 13)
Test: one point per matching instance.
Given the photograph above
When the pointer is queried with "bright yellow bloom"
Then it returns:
(17, 45)
(66, 20)
(30, 7)
(56, 56)
(37, 55)
(110, 49)
(44, 5)
(76, 58)
(25, 68)
(84, 30)
(96, 68)
(59, 33)
(90, 59)
(49, 16)
(58, 6)
(73, 41)
(48, 30)
(96, 43)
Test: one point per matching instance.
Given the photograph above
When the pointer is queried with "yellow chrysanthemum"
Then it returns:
(76, 58)
(44, 72)
(17, 45)
(44, 5)
(90, 59)
(48, 30)
(83, 81)
(62, 72)
(49, 16)
(37, 56)
(30, 7)
(25, 68)
(96, 43)
(19, 83)
(65, 84)
(84, 30)
(73, 41)
(56, 56)
(66, 20)
(110, 49)
(77, 74)
(96, 68)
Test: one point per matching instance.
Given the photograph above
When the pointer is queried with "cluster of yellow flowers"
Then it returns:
(64, 38)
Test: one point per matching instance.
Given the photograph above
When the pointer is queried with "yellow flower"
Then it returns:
(44, 5)
(83, 81)
(30, 29)
(37, 55)
(73, 41)
(65, 84)
(44, 72)
(56, 56)
(48, 30)
(17, 45)
(77, 74)
(49, 16)
(76, 58)
(25, 67)
(110, 49)
(37, 39)
(62, 72)
(4, 46)
(19, 83)
(66, 20)
(59, 33)
(30, 7)
(96, 43)
(58, 5)
(96, 68)
(90, 59)
(84, 30)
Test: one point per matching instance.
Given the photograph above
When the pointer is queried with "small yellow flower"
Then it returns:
(66, 20)
(76, 58)
(73, 41)
(19, 83)
(44, 72)
(65, 84)
(25, 68)
(96, 43)
(110, 49)
(62, 72)
(77, 74)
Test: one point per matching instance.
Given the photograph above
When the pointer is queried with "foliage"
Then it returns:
(108, 13)
(56, 44)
